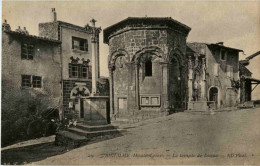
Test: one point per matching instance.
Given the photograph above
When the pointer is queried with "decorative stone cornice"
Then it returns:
(74, 60)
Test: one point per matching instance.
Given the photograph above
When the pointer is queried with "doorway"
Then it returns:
(79, 107)
(213, 95)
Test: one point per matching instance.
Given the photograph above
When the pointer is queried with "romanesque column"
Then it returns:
(111, 86)
(93, 58)
(190, 78)
(137, 84)
(165, 80)
(203, 81)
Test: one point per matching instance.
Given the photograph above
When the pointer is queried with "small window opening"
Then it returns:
(148, 68)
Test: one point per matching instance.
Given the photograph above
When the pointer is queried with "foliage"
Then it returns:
(22, 116)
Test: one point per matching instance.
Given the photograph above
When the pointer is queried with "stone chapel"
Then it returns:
(147, 66)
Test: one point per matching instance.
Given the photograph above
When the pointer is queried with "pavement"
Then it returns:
(229, 137)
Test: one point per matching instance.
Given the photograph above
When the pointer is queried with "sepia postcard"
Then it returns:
(130, 83)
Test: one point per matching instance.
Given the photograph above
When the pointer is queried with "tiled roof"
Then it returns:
(33, 37)
(253, 55)
(201, 44)
(222, 46)
(244, 62)
(146, 20)
(243, 70)
(252, 79)
(196, 47)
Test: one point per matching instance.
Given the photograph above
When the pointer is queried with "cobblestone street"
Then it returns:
(229, 137)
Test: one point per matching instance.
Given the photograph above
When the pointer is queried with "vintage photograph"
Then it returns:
(130, 83)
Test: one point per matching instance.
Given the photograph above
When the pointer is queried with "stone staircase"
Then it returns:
(81, 134)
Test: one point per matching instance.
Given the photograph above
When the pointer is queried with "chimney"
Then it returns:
(25, 31)
(6, 27)
(53, 15)
(19, 29)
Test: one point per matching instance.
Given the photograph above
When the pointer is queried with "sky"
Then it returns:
(237, 24)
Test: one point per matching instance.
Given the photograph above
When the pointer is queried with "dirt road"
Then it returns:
(182, 138)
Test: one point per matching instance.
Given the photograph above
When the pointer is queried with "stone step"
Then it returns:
(91, 134)
(69, 139)
(94, 128)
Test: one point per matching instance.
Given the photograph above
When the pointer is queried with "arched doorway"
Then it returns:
(77, 94)
(214, 95)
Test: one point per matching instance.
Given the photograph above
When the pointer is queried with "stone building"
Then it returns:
(148, 67)
(213, 76)
(246, 79)
(27, 62)
(77, 50)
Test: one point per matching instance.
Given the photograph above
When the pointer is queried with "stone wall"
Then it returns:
(46, 64)
(229, 95)
(132, 42)
(136, 40)
(68, 85)
(68, 52)
(49, 30)
(177, 71)
(156, 43)
(56, 31)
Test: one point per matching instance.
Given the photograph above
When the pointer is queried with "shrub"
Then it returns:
(22, 115)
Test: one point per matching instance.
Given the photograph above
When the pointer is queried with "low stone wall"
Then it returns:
(198, 106)
(68, 85)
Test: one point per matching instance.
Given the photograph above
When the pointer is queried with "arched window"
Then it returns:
(148, 68)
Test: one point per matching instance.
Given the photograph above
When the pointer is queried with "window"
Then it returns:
(31, 81)
(79, 44)
(26, 81)
(74, 71)
(150, 100)
(37, 81)
(148, 68)
(223, 55)
(79, 71)
(27, 51)
(84, 71)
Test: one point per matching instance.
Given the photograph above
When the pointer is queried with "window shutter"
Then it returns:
(72, 43)
(231, 72)
(216, 69)
(70, 70)
(228, 70)
(30, 51)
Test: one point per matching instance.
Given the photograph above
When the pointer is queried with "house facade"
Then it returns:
(247, 83)
(30, 64)
(213, 76)
(77, 53)
(147, 67)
